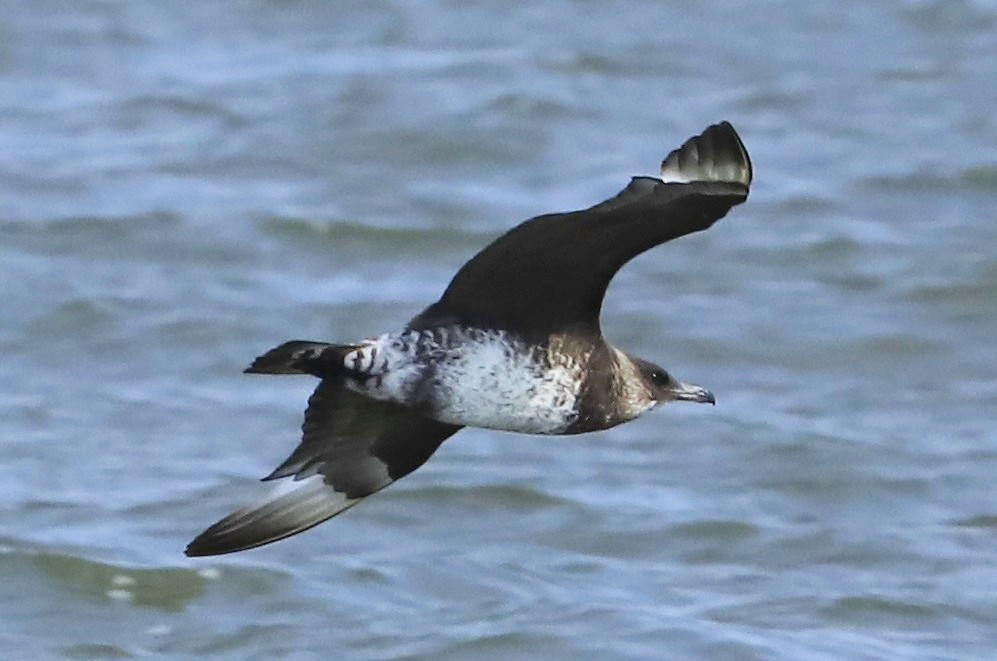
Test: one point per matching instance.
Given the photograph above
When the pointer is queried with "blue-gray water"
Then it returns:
(183, 186)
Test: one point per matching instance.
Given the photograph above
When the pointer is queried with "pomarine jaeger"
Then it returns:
(513, 344)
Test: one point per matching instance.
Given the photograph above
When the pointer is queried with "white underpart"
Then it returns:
(472, 377)
(502, 385)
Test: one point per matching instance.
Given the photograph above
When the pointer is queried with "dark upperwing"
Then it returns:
(550, 274)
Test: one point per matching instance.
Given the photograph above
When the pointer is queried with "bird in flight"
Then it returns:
(513, 344)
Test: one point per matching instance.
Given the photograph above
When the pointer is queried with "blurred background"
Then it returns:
(185, 185)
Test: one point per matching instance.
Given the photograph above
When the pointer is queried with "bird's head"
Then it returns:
(664, 388)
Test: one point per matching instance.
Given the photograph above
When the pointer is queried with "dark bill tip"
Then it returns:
(690, 393)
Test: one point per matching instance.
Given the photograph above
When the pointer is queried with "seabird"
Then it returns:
(513, 344)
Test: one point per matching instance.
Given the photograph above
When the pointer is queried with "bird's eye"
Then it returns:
(660, 377)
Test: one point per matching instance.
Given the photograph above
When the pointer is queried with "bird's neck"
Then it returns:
(613, 393)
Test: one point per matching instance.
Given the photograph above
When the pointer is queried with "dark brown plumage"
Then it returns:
(536, 290)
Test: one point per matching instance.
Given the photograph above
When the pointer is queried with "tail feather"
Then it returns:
(301, 357)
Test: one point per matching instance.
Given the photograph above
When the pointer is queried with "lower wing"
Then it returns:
(351, 447)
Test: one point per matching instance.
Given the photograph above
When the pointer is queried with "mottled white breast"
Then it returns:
(472, 377)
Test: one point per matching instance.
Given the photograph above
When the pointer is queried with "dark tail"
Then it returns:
(319, 359)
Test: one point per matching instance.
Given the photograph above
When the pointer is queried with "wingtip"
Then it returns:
(197, 550)
(717, 154)
(211, 543)
(291, 508)
(206, 544)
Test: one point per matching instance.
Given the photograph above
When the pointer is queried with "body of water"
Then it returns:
(183, 186)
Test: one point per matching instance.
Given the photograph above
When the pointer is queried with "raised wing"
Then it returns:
(550, 273)
(352, 446)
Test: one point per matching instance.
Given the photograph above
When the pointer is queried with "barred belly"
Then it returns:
(471, 377)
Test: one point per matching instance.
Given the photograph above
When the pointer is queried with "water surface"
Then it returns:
(184, 186)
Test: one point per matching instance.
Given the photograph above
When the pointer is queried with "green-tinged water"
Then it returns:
(183, 186)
